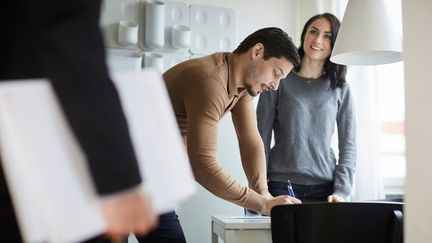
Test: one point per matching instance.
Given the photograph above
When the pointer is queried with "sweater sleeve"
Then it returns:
(266, 113)
(71, 55)
(344, 173)
(204, 108)
(251, 145)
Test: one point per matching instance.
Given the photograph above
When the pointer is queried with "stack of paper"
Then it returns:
(46, 171)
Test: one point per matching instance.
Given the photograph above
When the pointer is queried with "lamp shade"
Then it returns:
(366, 36)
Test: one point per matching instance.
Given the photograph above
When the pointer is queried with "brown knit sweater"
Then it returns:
(202, 91)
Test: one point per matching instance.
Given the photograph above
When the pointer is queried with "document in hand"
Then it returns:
(46, 171)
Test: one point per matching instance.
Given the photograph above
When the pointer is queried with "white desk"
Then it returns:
(241, 229)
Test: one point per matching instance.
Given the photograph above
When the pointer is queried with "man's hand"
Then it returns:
(129, 212)
(335, 199)
(279, 200)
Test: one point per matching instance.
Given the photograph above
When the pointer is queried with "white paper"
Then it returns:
(156, 138)
(53, 195)
(249, 217)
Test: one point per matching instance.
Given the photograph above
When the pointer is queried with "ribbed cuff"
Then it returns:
(255, 201)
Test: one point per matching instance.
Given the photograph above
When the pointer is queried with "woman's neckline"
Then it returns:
(306, 79)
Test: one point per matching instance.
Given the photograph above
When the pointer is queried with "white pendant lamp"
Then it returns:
(366, 36)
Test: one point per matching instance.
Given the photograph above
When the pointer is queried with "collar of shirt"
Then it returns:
(233, 89)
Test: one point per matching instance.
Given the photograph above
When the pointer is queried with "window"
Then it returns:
(392, 122)
(391, 100)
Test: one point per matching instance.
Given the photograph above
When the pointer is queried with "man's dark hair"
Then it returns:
(276, 43)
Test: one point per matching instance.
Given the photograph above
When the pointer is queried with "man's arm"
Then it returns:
(204, 110)
(251, 145)
(71, 55)
(252, 154)
(205, 106)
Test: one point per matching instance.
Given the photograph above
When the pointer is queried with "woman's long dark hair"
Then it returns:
(335, 72)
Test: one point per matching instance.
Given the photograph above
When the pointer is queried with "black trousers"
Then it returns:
(8, 224)
(168, 230)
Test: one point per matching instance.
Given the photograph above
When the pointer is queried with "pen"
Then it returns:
(290, 190)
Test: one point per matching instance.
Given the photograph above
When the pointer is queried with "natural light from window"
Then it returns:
(391, 101)
(391, 109)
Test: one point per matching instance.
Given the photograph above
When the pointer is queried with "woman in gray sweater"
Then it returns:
(302, 113)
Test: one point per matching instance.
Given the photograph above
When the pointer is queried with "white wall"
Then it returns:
(196, 212)
(253, 15)
(418, 88)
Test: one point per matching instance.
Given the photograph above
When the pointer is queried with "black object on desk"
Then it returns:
(249, 212)
(371, 222)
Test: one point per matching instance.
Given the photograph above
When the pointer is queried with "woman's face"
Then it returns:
(317, 40)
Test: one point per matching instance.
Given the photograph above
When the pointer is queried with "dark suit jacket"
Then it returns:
(61, 40)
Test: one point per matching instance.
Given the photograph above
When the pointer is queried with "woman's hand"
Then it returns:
(335, 199)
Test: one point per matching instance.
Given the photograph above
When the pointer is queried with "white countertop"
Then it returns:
(242, 222)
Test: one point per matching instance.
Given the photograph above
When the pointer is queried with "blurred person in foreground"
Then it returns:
(60, 40)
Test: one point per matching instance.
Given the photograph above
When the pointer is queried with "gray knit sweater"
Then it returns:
(302, 113)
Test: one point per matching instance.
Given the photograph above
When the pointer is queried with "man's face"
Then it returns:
(264, 75)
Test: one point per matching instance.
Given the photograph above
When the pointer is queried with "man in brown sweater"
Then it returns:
(202, 91)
